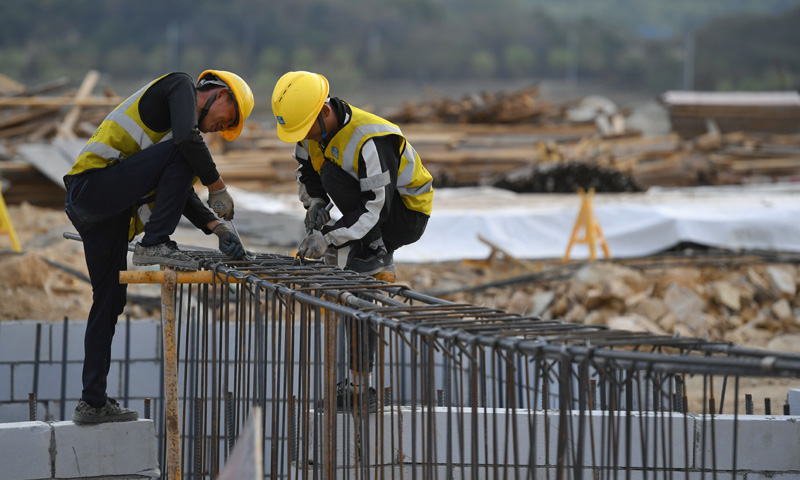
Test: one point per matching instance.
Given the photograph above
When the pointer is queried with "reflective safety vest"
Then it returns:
(122, 134)
(414, 182)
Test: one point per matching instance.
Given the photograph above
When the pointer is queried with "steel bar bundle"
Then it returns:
(455, 391)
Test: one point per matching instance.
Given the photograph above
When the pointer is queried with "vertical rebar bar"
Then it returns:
(32, 407)
(229, 425)
(36, 358)
(64, 346)
(126, 398)
(147, 408)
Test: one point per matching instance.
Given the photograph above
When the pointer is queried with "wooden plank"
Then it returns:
(68, 123)
(59, 101)
(22, 117)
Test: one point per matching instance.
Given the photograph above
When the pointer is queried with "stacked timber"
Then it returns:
(757, 112)
(523, 106)
(511, 140)
(41, 128)
(42, 112)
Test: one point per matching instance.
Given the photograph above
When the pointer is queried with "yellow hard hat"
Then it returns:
(241, 93)
(296, 101)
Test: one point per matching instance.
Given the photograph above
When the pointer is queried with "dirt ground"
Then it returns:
(750, 302)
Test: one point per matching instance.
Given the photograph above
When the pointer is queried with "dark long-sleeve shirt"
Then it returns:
(172, 103)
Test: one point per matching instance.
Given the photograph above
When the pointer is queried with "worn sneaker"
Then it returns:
(370, 261)
(166, 253)
(347, 401)
(110, 412)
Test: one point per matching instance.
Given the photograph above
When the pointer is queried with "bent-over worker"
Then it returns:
(135, 175)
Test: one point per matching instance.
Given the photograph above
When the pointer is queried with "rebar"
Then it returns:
(458, 387)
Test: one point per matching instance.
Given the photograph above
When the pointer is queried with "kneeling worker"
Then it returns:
(362, 163)
(367, 168)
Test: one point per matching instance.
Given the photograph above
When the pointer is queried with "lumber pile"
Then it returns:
(758, 112)
(523, 106)
(43, 112)
(41, 128)
(512, 140)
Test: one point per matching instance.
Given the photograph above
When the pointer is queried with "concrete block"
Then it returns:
(76, 329)
(362, 439)
(49, 387)
(145, 340)
(49, 384)
(51, 411)
(105, 450)
(22, 383)
(18, 341)
(776, 437)
(145, 378)
(793, 399)
(5, 383)
(11, 412)
(26, 450)
(495, 428)
(649, 429)
(114, 381)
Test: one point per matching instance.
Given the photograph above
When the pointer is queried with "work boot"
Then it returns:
(348, 401)
(166, 253)
(371, 260)
(110, 412)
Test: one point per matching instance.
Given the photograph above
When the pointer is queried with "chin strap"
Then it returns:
(323, 131)
(207, 106)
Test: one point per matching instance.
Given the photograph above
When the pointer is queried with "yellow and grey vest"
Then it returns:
(122, 134)
(414, 182)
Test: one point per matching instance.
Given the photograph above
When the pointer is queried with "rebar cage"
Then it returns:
(456, 390)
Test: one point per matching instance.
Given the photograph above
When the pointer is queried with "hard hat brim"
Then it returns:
(233, 133)
(300, 131)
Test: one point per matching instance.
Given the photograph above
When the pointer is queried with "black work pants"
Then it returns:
(397, 226)
(99, 204)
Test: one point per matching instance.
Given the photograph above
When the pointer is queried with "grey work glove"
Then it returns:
(313, 246)
(221, 202)
(317, 215)
(229, 242)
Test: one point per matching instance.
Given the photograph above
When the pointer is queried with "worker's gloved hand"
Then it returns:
(317, 215)
(221, 202)
(229, 242)
(313, 246)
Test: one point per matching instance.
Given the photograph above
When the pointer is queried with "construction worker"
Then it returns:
(135, 175)
(367, 168)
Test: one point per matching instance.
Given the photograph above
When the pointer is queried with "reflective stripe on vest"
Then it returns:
(121, 134)
(414, 182)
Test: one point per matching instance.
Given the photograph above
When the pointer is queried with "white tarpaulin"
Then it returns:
(763, 217)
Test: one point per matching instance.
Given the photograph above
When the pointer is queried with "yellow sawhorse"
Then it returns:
(5, 224)
(587, 229)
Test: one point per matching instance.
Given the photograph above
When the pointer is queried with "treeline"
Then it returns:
(633, 44)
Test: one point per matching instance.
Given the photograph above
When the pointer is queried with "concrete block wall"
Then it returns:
(63, 450)
(59, 367)
(766, 446)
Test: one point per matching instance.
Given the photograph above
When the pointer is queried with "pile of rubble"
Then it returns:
(747, 300)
